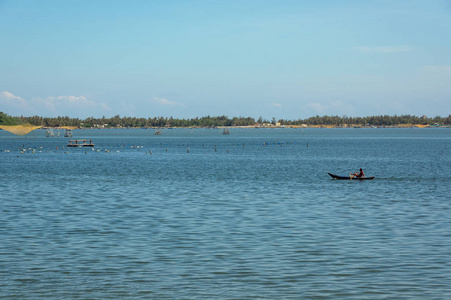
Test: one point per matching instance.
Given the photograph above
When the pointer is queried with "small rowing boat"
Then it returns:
(349, 177)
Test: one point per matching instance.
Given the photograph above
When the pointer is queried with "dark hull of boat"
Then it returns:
(349, 177)
(80, 145)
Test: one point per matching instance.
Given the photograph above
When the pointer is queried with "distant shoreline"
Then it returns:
(403, 121)
(25, 129)
(266, 127)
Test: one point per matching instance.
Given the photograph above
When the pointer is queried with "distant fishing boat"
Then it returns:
(349, 177)
(67, 133)
(80, 143)
(50, 133)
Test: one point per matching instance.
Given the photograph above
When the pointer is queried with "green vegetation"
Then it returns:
(372, 120)
(118, 121)
(8, 120)
(209, 121)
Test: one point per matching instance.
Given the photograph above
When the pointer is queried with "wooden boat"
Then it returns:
(349, 177)
(80, 143)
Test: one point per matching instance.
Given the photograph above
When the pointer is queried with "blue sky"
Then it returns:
(283, 59)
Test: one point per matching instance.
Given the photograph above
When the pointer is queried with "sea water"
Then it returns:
(196, 214)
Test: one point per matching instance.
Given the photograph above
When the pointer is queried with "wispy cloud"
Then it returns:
(73, 99)
(74, 106)
(384, 49)
(318, 107)
(164, 101)
(277, 104)
(332, 107)
(9, 98)
(69, 104)
(14, 105)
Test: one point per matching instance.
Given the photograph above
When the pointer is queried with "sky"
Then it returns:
(280, 58)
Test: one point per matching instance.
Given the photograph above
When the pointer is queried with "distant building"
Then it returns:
(424, 117)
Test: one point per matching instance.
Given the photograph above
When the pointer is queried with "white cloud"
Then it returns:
(277, 104)
(7, 97)
(164, 101)
(384, 49)
(13, 105)
(73, 106)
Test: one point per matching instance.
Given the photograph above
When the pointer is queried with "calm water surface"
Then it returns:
(244, 216)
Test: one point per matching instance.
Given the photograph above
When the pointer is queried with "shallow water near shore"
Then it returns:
(248, 215)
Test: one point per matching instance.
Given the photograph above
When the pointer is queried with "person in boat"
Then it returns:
(358, 175)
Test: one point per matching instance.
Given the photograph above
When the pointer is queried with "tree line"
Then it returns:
(215, 121)
(385, 120)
